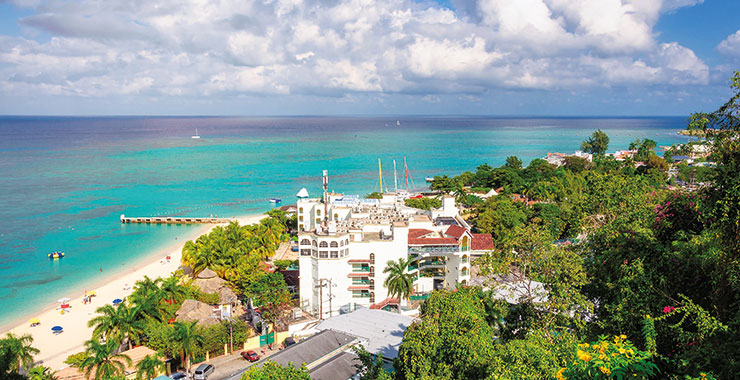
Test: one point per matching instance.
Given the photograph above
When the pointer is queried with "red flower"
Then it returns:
(668, 309)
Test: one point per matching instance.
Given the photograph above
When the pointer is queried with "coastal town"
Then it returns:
(331, 281)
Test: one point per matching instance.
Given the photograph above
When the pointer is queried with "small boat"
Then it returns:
(196, 135)
(429, 179)
(275, 200)
(398, 123)
(56, 255)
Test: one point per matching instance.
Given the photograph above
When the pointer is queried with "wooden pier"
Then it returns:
(174, 220)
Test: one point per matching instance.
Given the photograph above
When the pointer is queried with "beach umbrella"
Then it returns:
(65, 306)
(57, 328)
(34, 320)
(117, 301)
(91, 293)
(63, 300)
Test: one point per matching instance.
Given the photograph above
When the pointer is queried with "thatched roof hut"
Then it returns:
(227, 296)
(210, 285)
(201, 312)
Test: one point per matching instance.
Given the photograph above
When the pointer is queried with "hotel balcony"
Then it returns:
(438, 274)
(433, 250)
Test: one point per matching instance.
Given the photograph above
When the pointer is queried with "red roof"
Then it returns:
(455, 231)
(384, 303)
(482, 242)
(433, 241)
(417, 233)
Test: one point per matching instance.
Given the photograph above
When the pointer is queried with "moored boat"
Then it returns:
(275, 200)
(56, 255)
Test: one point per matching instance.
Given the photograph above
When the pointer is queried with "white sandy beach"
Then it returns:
(56, 348)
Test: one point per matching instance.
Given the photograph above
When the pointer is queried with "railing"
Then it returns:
(360, 269)
(361, 282)
(419, 297)
(441, 249)
(431, 263)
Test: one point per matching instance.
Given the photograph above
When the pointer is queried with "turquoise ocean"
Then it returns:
(65, 181)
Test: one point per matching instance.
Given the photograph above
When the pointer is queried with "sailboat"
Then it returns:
(196, 135)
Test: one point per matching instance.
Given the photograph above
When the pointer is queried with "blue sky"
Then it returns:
(298, 57)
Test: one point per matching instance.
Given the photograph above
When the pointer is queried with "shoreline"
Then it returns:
(119, 284)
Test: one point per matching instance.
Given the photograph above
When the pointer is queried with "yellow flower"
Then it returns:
(605, 370)
(623, 337)
(559, 375)
(585, 356)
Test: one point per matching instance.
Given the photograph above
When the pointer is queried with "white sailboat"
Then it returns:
(196, 135)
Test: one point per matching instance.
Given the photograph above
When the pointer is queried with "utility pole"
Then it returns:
(321, 298)
(330, 297)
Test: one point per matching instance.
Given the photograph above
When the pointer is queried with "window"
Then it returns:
(323, 244)
(300, 218)
(323, 254)
(334, 244)
(318, 211)
(464, 271)
(341, 243)
(372, 258)
(318, 220)
(372, 284)
(372, 297)
(314, 253)
(313, 243)
(372, 271)
(465, 259)
(305, 252)
(346, 241)
(334, 254)
(360, 281)
(360, 294)
(305, 242)
(336, 216)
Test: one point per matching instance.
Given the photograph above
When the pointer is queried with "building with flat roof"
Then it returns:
(345, 243)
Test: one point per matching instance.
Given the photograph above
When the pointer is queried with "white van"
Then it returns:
(202, 372)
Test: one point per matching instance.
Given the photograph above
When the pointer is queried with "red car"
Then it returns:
(250, 355)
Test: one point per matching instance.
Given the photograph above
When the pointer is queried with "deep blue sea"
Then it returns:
(65, 181)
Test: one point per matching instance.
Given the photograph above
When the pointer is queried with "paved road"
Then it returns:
(230, 367)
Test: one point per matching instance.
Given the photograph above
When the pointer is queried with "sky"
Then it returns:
(367, 57)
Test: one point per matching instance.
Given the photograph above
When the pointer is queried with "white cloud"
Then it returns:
(340, 47)
(731, 45)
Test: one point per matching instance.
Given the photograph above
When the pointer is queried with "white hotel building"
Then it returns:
(346, 242)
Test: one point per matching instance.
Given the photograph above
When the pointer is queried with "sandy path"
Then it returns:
(56, 348)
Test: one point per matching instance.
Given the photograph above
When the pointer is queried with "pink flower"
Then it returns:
(668, 309)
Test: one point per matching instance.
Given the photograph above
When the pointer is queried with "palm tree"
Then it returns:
(187, 338)
(101, 360)
(19, 349)
(149, 367)
(41, 373)
(399, 282)
(117, 323)
(172, 290)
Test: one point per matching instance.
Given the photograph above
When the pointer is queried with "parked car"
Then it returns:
(202, 372)
(294, 248)
(250, 355)
(289, 341)
(178, 376)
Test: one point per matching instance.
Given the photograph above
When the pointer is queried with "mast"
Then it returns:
(380, 176)
(395, 179)
(406, 173)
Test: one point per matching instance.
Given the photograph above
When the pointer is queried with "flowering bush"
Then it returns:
(609, 359)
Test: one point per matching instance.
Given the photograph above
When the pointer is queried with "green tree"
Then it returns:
(273, 371)
(546, 277)
(19, 349)
(102, 361)
(149, 367)
(499, 216)
(399, 282)
(453, 339)
(645, 149)
(187, 339)
(374, 195)
(271, 293)
(371, 366)
(120, 323)
(40, 372)
(423, 203)
(513, 162)
(597, 144)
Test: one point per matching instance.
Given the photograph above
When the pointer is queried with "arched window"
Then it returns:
(341, 243)
(372, 270)
(313, 243)
(323, 244)
(334, 244)
(464, 271)
(465, 259)
(465, 243)
(372, 284)
(336, 216)
(346, 241)
(305, 242)
(372, 258)
(464, 283)
(300, 210)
